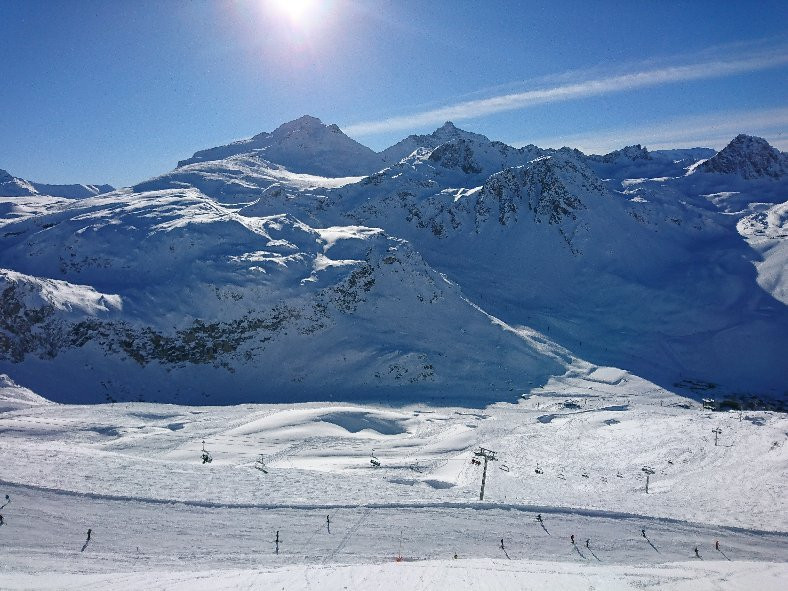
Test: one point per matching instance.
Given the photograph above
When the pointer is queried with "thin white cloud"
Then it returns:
(713, 130)
(716, 68)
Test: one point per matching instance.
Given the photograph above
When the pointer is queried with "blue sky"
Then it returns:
(104, 91)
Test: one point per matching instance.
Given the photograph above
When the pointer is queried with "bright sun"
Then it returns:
(300, 13)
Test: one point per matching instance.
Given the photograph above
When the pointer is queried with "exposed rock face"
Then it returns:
(749, 157)
(635, 152)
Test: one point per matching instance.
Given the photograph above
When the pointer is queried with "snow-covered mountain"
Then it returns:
(169, 286)
(448, 266)
(305, 145)
(11, 186)
(445, 133)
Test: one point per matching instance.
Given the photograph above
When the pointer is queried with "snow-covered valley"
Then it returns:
(299, 305)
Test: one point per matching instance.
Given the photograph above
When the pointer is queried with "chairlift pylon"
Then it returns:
(374, 461)
(260, 464)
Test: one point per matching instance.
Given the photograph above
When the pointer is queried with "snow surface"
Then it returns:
(162, 519)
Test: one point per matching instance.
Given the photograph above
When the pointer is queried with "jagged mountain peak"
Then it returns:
(305, 123)
(750, 157)
(633, 152)
(445, 133)
(745, 141)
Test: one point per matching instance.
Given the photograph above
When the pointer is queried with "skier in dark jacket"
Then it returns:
(1, 520)
(572, 537)
(90, 531)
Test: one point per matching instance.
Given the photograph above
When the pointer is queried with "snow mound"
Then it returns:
(16, 397)
(607, 375)
(326, 422)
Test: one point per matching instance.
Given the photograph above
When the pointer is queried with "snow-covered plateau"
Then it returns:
(341, 331)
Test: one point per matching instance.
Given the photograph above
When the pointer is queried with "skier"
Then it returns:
(643, 531)
(85, 545)
(502, 546)
(587, 542)
(328, 522)
(697, 554)
(539, 518)
(572, 537)
(455, 556)
(1, 520)
(716, 543)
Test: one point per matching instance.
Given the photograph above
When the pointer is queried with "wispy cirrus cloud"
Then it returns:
(654, 76)
(713, 130)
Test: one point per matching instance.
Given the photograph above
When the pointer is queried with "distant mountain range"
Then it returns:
(11, 186)
(301, 265)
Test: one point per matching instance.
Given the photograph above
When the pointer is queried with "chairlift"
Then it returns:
(504, 467)
(206, 456)
(260, 465)
(374, 461)
(619, 474)
(539, 469)
(475, 462)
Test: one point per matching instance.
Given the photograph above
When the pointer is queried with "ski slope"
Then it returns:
(160, 518)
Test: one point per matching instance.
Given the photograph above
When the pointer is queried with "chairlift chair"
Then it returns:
(374, 461)
(206, 456)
